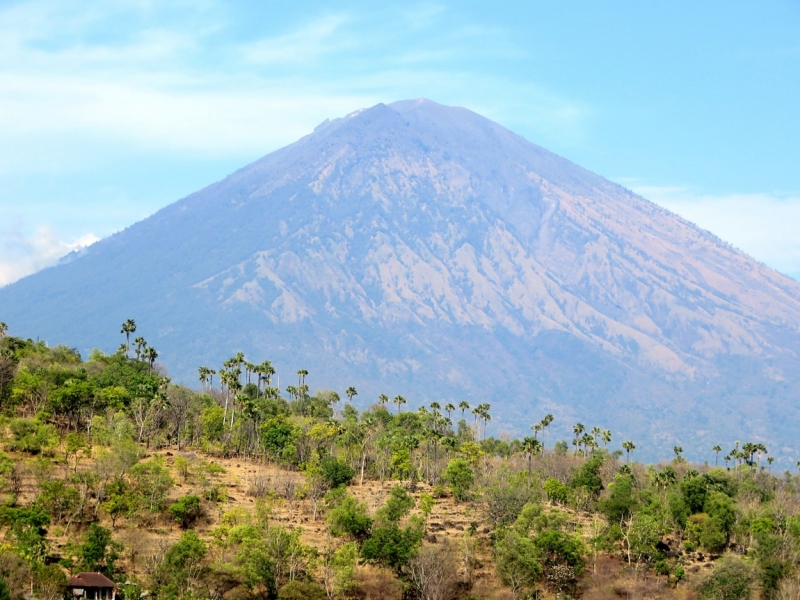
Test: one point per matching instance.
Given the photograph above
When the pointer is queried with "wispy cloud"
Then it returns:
(190, 82)
(764, 225)
(302, 46)
(21, 254)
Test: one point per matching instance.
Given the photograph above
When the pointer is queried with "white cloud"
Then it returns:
(765, 226)
(22, 255)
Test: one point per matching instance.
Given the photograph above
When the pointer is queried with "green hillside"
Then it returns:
(242, 490)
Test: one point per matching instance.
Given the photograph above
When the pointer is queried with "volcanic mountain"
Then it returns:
(424, 250)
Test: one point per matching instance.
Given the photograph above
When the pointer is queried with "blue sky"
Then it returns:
(110, 110)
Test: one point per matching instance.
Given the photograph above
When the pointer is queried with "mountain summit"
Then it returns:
(421, 249)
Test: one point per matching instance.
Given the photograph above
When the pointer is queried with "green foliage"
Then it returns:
(556, 491)
(302, 590)
(33, 436)
(350, 517)
(588, 476)
(621, 500)
(58, 499)
(517, 563)
(27, 528)
(151, 481)
(731, 580)
(391, 546)
(459, 477)
(398, 504)
(721, 508)
(336, 472)
(277, 435)
(99, 552)
(558, 548)
(186, 510)
(694, 490)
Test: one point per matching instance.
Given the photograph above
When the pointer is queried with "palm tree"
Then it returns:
(536, 429)
(3, 330)
(399, 400)
(203, 372)
(577, 429)
(531, 446)
(383, 399)
(128, 327)
(484, 414)
(588, 442)
(770, 460)
(301, 374)
(727, 459)
(629, 447)
(463, 405)
(606, 437)
(150, 355)
(449, 408)
(716, 450)
(248, 369)
(350, 392)
(596, 431)
(140, 343)
(335, 399)
(677, 450)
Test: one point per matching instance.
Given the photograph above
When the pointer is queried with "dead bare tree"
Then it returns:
(432, 573)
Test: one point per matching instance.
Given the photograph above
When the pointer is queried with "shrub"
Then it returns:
(556, 491)
(391, 546)
(186, 511)
(730, 580)
(301, 590)
(621, 501)
(350, 518)
(397, 506)
(335, 472)
(588, 476)
(517, 563)
(459, 477)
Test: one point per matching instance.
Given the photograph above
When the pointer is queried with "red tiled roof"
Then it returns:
(90, 580)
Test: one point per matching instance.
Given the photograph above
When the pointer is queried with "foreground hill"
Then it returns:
(106, 466)
(430, 250)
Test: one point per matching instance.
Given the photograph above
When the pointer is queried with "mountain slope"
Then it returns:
(424, 250)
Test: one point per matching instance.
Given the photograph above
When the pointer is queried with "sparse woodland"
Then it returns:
(240, 490)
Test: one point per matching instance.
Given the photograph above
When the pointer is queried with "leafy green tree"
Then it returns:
(557, 548)
(151, 481)
(694, 490)
(621, 500)
(391, 546)
(27, 528)
(398, 504)
(336, 472)
(99, 552)
(277, 433)
(731, 579)
(720, 507)
(172, 576)
(556, 491)
(186, 510)
(588, 476)
(350, 517)
(459, 477)
(517, 563)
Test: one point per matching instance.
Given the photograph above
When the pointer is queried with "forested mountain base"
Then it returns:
(239, 493)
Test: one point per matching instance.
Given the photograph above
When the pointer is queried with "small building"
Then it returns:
(91, 586)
